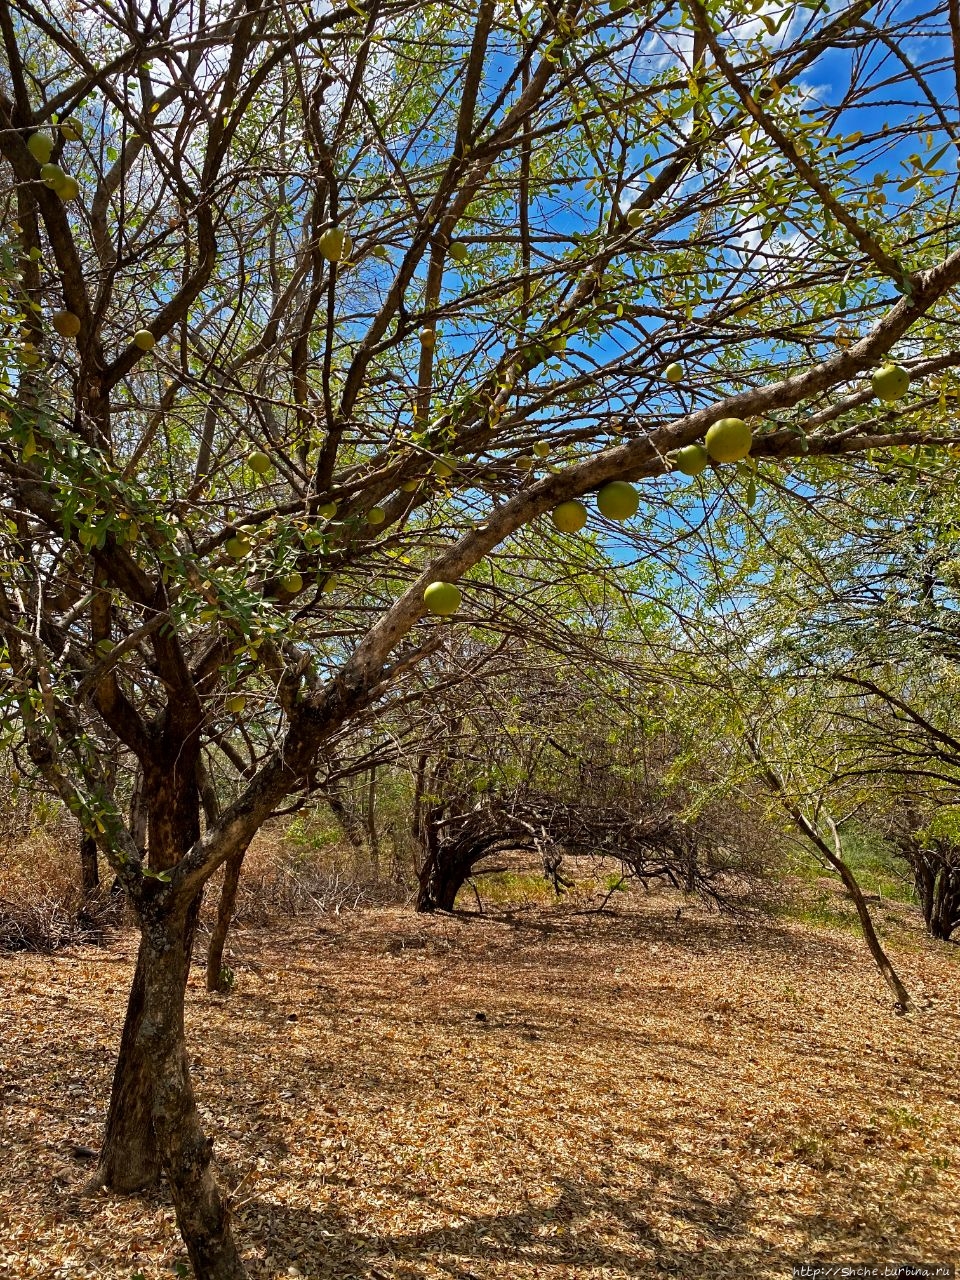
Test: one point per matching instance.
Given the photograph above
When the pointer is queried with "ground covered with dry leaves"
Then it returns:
(537, 1093)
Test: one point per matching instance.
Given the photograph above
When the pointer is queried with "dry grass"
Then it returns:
(641, 1097)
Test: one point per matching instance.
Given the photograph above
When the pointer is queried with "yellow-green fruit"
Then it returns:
(523, 463)
(673, 372)
(292, 583)
(40, 146)
(442, 598)
(330, 584)
(259, 462)
(235, 703)
(728, 440)
(890, 382)
(443, 468)
(542, 449)
(691, 460)
(51, 175)
(428, 338)
(65, 323)
(410, 486)
(335, 244)
(327, 511)
(618, 500)
(67, 189)
(459, 251)
(634, 218)
(376, 515)
(71, 131)
(569, 517)
(238, 548)
(144, 339)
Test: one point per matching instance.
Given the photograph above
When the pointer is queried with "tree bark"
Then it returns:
(185, 1151)
(216, 977)
(89, 866)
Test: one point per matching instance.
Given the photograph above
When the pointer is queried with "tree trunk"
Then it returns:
(373, 840)
(129, 1159)
(89, 867)
(185, 1151)
(217, 979)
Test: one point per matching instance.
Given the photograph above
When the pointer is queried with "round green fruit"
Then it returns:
(410, 486)
(691, 460)
(459, 251)
(330, 584)
(235, 703)
(71, 131)
(542, 449)
(259, 462)
(144, 340)
(428, 338)
(442, 598)
(335, 244)
(634, 218)
(673, 372)
(376, 515)
(524, 463)
(65, 323)
(443, 468)
(238, 547)
(890, 382)
(292, 583)
(728, 440)
(51, 175)
(327, 511)
(569, 517)
(40, 146)
(67, 188)
(618, 500)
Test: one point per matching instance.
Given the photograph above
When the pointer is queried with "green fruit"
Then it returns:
(618, 500)
(67, 189)
(51, 175)
(634, 218)
(459, 251)
(523, 463)
(443, 468)
(442, 598)
(542, 449)
(890, 382)
(410, 486)
(376, 515)
(330, 584)
(292, 583)
(259, 462)
(335, 244)
(65, 323)
(71, 131)
(238, 547)
(40, 146)
(569, 517)
(428, 338)
(673, 372)
(235, 703)
(728, 440)
(144, 339)
(380, 252)
(691, 460)
(327, 511)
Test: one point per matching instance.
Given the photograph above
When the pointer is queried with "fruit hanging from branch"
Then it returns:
(335, 244)
(428, 338)
(40, 146)
(691, 460)
(618, 500)
(728, 440)
(459, 251)
(673, 372)
(65, 323)
(442, 598)
(144, 340)
(569, 517)
(259, 462)
(51, 175)
(890, 381)
(237, 547)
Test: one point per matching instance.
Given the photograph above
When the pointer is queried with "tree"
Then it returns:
(291, 302)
